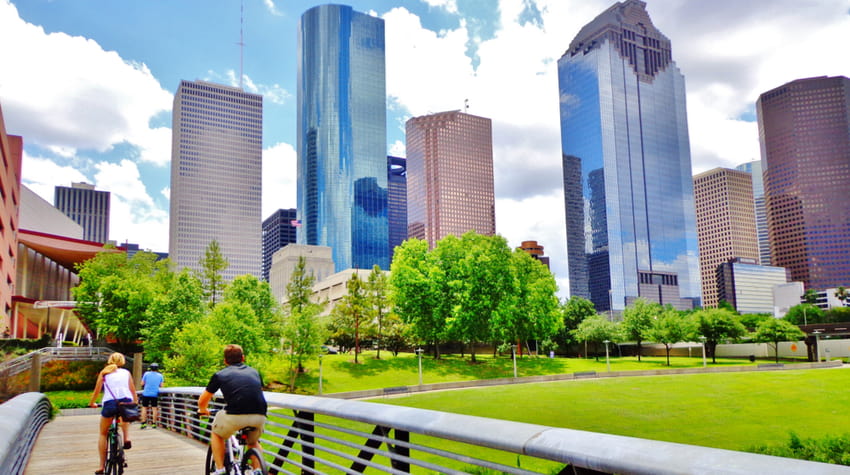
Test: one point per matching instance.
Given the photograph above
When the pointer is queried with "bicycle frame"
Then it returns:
(237, 456)
(115, 461)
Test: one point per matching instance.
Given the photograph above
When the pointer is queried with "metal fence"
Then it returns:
(307, 435)
(22, 363)
(21, 420)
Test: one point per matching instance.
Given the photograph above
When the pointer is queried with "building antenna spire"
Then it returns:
(466, 106)
(241, 42)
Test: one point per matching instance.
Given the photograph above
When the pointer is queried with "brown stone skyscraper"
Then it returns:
(804, 129)
(449, 176)
(726, 224)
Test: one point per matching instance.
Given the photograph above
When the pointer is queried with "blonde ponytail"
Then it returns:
(115, 361)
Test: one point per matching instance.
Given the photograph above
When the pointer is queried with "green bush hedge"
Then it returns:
(829, 449)
(69, 375)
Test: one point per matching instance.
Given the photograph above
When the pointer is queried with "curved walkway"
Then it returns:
(68, 444)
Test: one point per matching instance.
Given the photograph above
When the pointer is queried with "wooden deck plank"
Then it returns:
(68, 444)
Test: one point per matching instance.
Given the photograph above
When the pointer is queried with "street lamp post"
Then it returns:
(607, 361)
(320, 375)
(513, 356)
(610, 305)
(419, 354)
(702, 339)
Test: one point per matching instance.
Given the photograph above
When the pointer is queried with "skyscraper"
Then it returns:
(216, 189)
(87, 207)
(726, 224)
(279, 229)
(804, 130)
(754, 168)
(397, 200)
(628, 187)
(342, 136)
(449, 176)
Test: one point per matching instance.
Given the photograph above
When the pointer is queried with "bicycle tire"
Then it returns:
(114, 455)
(251, 455)
(210, 463)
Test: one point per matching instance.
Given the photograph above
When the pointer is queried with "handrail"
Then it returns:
(345, 436)
(21, 420)
(22, 363)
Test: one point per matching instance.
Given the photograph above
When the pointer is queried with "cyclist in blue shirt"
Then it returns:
(151, 381)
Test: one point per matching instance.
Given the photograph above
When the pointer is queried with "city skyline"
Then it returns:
(729, 52)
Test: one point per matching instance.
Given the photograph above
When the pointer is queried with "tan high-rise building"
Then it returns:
(449, 176)
(726, 224)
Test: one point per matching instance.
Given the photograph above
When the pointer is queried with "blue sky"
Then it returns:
(89, 85)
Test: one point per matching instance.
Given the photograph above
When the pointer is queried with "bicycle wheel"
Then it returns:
(210, 462)
(251, 457)
(114, 455)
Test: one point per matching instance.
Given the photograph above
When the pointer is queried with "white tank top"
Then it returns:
(118, 382)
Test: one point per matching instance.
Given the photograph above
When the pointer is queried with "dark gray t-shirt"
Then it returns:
(242, 388)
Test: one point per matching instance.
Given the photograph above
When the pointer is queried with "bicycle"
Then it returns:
(234, 449)
(115, 461)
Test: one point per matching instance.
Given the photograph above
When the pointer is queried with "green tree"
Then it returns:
(302, 334)
(197, 353)
(534, 312)
(716, 325)
(236, 322)
(810, 296)
(574, 311)
(596, 329)
(212, 265)
(352, 309)
(670, 328)
(396, 334)
(179, 301)
(638, 320)
(378, 301)
(115, 292)
(415, 294)
(838, 314)
(258, 295)
(842, 294)
(751, 320)
(774, 330)
(805, 314)
(483, 288)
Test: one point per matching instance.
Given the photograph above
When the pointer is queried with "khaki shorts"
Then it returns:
(225, 425)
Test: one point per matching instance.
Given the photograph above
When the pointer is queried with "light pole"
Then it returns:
(610, 305)
(702, 339)
(320, 374)
(419, 354)
(817, 344)
(513, 356)
(607, 361)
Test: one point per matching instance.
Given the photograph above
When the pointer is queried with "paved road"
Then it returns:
(68, 444)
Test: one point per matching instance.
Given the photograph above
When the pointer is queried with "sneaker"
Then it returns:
(144, 426)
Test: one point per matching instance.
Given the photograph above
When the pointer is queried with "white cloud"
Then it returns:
(102, 101)
(448, 5)
(398, 149)
(42, 175)
(270, 6)
(274, 93)
(133, 217)
(279, 177)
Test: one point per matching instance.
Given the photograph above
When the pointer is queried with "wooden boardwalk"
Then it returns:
(68, 444)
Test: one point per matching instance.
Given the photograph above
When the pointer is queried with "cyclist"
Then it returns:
(118, 387)
(245, 404)
(151, 382)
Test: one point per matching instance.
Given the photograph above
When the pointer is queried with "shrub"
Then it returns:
(69, 375)
(828, 449)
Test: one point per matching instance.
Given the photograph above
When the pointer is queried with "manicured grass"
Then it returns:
(69, 399)
(340, 374)
(726, 410)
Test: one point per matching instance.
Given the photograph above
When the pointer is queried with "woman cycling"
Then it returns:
(117, 386)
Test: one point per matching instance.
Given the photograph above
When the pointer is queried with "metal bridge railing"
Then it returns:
(79, 353)
(307, 435)
(21, 420)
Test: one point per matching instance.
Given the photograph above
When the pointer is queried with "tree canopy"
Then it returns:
(774, 330)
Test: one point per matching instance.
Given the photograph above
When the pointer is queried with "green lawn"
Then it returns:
(725, 410)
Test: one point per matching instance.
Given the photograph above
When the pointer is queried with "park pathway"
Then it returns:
(68, 445)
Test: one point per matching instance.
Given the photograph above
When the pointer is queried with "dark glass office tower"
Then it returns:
(804, 129)
(87, 207)
(397, 200)
(628, 190)
(342, 136)
(279, 229)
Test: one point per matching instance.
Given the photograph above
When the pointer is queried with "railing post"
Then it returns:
(35, 373)
(137, 369)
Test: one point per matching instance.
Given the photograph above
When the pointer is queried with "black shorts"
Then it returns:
(149, 401)
(110, 408)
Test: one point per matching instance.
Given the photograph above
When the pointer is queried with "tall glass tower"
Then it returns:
(342, 136)
(628, 190)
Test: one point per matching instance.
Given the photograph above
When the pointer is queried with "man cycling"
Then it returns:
(245, 405)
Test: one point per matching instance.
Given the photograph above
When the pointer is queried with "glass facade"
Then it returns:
(754, 168)
(749, 287)
(342, 160)
(397, 200)
(216, 185)
(804, 131)
(628, 188)
(278, 231)
(87, 207)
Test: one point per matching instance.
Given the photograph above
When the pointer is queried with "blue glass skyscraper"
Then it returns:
(342, 159)
(631, 228)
